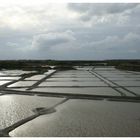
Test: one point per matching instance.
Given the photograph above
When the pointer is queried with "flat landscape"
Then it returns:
(85, 101)
(69, 68)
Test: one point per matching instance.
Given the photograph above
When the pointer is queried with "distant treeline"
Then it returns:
(40, 64)
(21, 64)
(129, 66)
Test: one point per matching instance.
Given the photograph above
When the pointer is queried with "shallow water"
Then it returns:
(128, 83)
(4, 82)
(16, 107)
(36, 77)
(14, 72)
(86, 118)
(49, 72)
(74, 76)
(134, 89)
(123, 79)
(86, 91)
(19, 89)
(9, 78)
(71, 79)
(74, 117)
(22, 84)
(93, 83)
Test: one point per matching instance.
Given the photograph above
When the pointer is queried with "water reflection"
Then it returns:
(16, 107)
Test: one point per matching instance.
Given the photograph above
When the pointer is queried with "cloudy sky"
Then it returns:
(69, 31)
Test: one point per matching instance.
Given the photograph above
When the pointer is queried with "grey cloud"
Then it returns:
(45, 41)
(85, 35)
(129, 44)
(112, 47)
(100, 9)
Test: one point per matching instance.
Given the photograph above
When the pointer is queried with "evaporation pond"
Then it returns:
(85, 118)
(17, 107)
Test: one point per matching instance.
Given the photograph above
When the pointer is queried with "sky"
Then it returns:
(68, 31)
